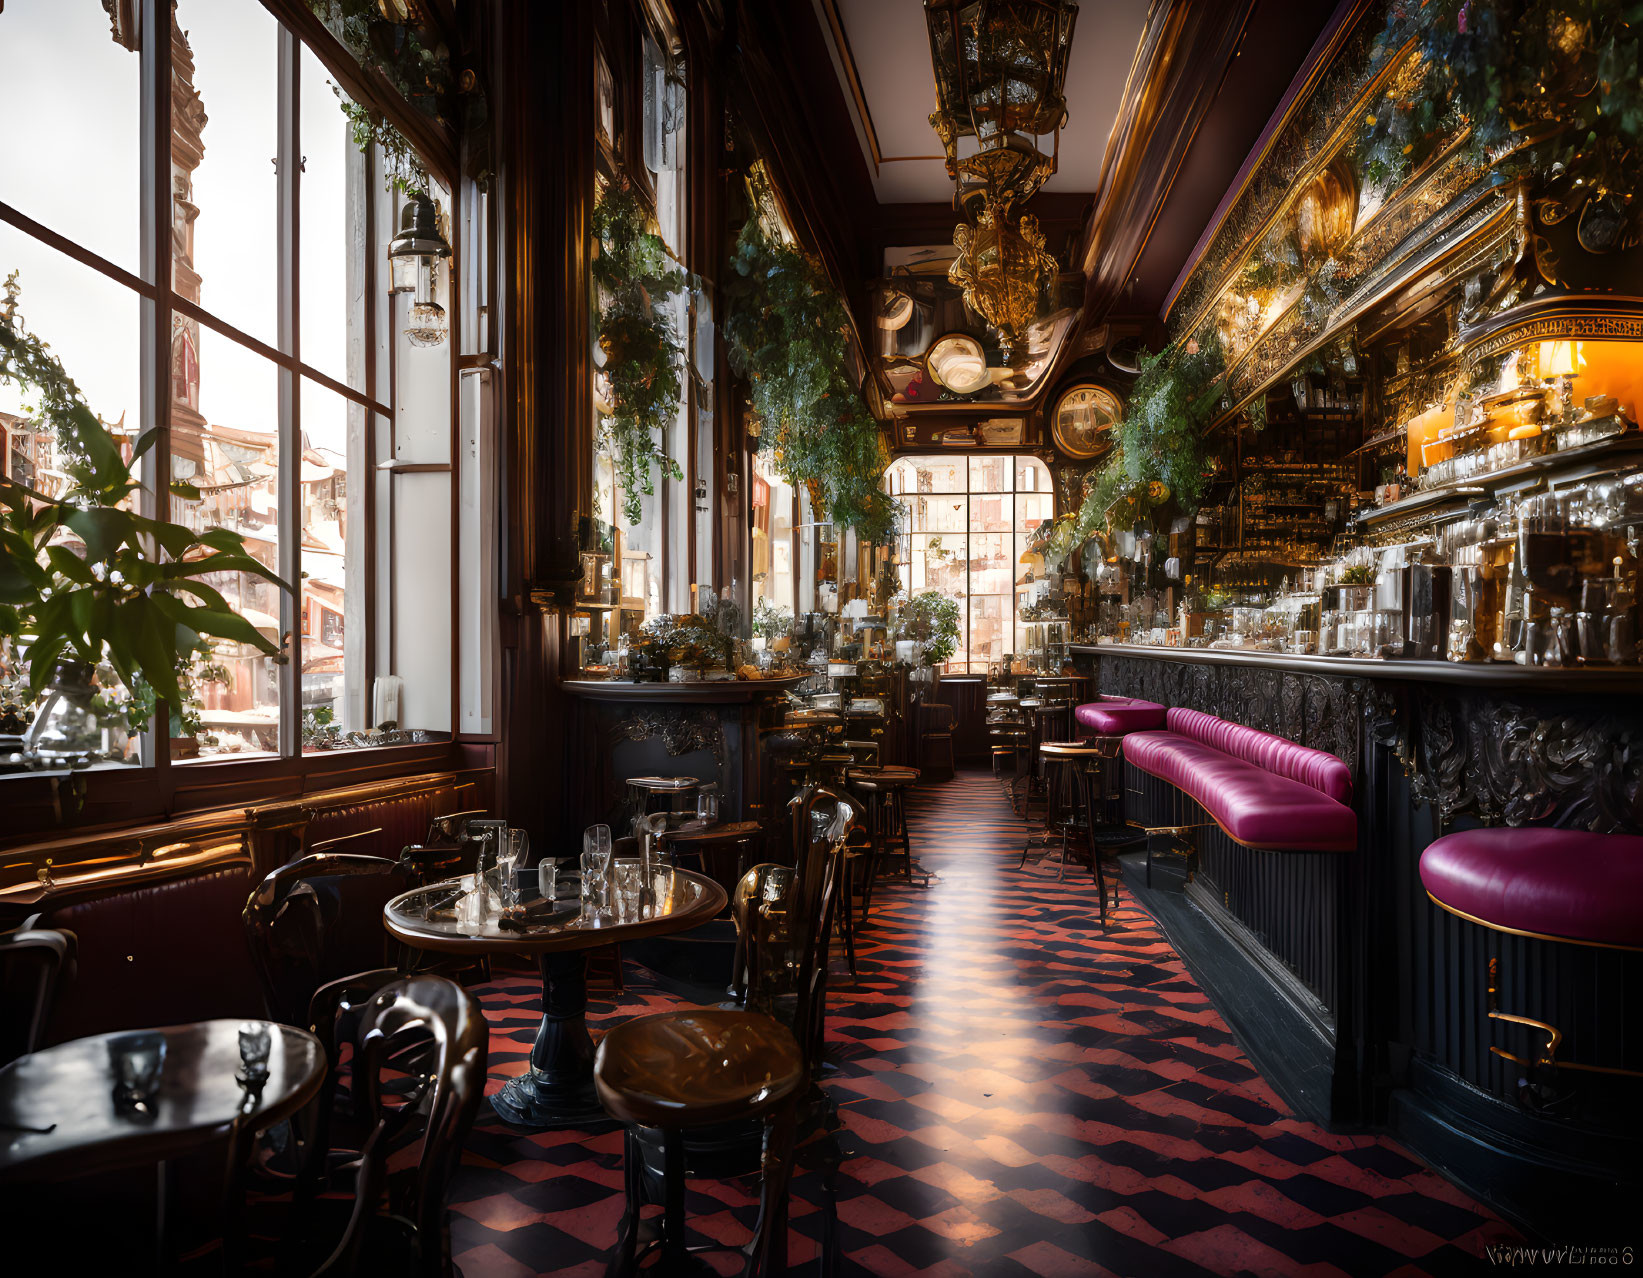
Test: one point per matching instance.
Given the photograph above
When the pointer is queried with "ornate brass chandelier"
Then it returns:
(1000, 69)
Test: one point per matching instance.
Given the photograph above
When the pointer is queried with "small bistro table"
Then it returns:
(556, 1090)
(69, 1089)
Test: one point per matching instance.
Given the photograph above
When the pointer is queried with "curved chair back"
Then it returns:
(317, 919)
(35, 963)
(439, 1015)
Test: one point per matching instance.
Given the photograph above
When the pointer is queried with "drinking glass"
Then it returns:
(255, 1042)
(136, 1061)
(629, 880)
(547, 879)
(595, 883)
(707, 806)
(470, 906)
(596, 844)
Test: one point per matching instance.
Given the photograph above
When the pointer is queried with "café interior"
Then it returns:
(825, 636)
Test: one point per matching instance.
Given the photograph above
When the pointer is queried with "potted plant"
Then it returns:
(930, 618)
(86, 581)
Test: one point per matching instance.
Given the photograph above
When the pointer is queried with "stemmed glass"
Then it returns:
(595, 863)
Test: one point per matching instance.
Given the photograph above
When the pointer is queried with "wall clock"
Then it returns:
(1081, 419)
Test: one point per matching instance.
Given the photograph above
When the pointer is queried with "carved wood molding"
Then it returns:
(681, 731)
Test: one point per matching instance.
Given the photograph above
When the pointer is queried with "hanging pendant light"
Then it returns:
(413, 259)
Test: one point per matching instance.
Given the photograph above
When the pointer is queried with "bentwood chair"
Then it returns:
(434, 1022)
(318, 919)
(721, 1093)
(35, 963)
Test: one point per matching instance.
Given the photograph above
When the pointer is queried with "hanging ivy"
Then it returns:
(643, 355)
(1160, 451)
(787, 334)
(1548, 86)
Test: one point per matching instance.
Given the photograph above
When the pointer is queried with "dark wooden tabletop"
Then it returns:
(199, 1099)
(425, 919)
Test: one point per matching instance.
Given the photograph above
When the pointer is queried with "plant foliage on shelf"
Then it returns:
(931, 618)
(1159, 450)
(787, 334)
(82, 578)
(1549, 86)
(643, 355)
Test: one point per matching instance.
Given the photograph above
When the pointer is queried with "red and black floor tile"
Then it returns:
(1020, 1093)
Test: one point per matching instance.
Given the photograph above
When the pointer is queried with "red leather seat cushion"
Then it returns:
(1567, 884)
(1258, 808)
(1117, 716)
(1323, 772)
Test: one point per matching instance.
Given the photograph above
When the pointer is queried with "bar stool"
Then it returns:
(1066, 814)
(722, 852)
(882, 791)
(1567, 886)
(1110, 720)
(662, 794)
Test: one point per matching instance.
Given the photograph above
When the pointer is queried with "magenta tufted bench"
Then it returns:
(1559, 885)
(1264, 791)
(1118, 716)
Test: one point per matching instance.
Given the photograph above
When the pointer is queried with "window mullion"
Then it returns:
(153, 499)
(289, 168)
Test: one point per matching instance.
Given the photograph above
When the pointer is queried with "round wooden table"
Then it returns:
(70, 1089)
(557, 1088)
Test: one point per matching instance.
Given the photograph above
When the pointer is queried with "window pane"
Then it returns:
(332, 202)
(772, 536)
(332, 616)
(69, 156)
(232, 455)
(91, 322)
(223, 146)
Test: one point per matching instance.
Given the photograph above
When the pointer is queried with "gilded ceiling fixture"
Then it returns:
(1000, 69)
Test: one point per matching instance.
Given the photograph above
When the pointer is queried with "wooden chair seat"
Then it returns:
(696, 1068)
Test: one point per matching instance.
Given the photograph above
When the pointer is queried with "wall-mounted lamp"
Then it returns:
(413, 257)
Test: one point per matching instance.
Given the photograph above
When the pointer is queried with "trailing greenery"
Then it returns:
(402, 167)
(82, 578)
(931, 618)
(1159, 450)
(787, 333)
(770, 621)
(419, 71)
(643, 355)
(1561, 75)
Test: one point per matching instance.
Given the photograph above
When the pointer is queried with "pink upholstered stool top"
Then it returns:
(1115, 716)
(1569, 885)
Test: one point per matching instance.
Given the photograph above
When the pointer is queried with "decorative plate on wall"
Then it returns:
(1082, 417)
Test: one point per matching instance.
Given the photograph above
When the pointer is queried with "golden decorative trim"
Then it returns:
(1321, 160)
(1533, 936)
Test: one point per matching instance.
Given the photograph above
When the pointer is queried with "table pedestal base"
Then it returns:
(557, 1090)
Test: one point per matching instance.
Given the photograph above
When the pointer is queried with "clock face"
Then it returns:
(1082, 418)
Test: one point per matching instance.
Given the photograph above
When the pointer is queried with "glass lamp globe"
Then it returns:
(426, 324)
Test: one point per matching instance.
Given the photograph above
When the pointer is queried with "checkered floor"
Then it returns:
(1020, 1094)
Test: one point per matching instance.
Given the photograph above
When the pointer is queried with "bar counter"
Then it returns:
(1433, 747)
(709, 730)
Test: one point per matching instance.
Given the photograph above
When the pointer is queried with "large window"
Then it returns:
(968, 520)
(296, 405)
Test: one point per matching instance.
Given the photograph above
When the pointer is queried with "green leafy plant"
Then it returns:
(770, 621)
(1159, 451)
(643, 354)
(419, 71)
(1548, 86)
(931, 618)
(402, 167)
(83, 578)
(787, 333)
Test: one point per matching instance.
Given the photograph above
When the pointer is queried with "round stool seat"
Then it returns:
(889, 777)
(664, 785)
(1115, 716)
(1561, 885)
(696, 1068)
(694, 833)
(1066, 751)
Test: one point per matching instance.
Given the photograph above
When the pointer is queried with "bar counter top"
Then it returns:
(1477, 674)
(706, 692)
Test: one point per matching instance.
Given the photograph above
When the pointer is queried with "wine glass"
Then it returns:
(596, 848)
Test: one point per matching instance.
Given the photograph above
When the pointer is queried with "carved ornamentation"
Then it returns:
(1512, 765)
(681, 731)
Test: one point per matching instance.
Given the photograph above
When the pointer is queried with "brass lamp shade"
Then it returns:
(1003, 270)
